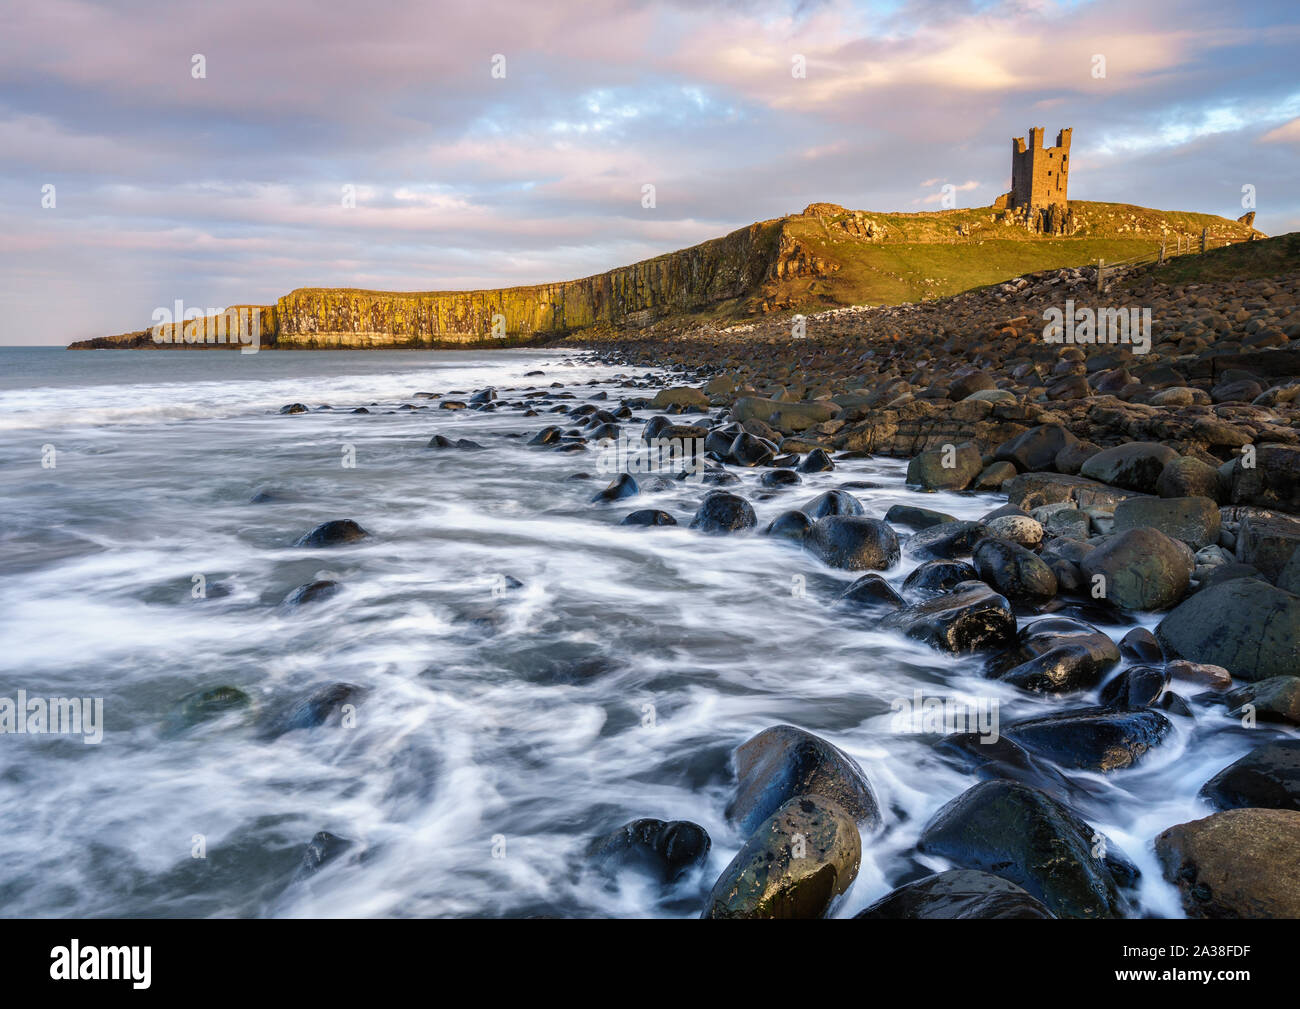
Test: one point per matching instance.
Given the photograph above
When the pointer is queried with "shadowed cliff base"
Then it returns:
(823, 258)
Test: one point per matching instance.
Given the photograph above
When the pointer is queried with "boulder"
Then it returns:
(1247, 626)
(1276, 699)
(683, 396)
(969, 618)
(1194, 520)
(665, 850)
(1268, 542)
(1189, 477)
(648, 517)
(957, 893)
(870, 592)
(722, 512)
(794, 865)
(1240, 863)
(332, 533)
(1035, 449)
(1136, 465)
(1027, 837)
(1015, 572)
(1141, 569)
(1268, 777)
(1272, 482)
(948, 541)
(783, 763)
(949, 467)
(1092, 739)
(833, 502)
(853, 543)
(933, 577)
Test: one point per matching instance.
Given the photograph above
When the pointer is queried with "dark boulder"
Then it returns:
(663, 850)
(1245, 625)
(648, 517)
(1035, 449)
(793, 525)
(1135, 465)
(948, 541)
(957, 893)
(312, 592)
(853, 543)
(1014, 571)
(723, 512)
(622, 486)
(783, 763)
(332, 533)
(969, 618)
(870, 592)
(1025, 836)
(311, 710)
(1092, 739)
(1268, 777)
(833, 502)
(933, 577)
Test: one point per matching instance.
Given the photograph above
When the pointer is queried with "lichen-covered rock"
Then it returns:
(1247, 626)
(1240, 863)
(794, 865)
(950, 467)
(1141, 569)
(1194, 520)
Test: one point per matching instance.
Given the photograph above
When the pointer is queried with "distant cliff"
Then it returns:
(824, 257)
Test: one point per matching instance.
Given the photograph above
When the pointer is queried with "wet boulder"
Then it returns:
(332, 533)
(780, 478)
(916, 518)
(794, 864)
(621, 487)
(784, 762)
(1093, 738)
(1276, 699)
(1136, 687)
(1268, 777)
(648, 517)
(204, 706)
(1141, 645)
(722, 512)
(1015, 572)
(1239, 863)
(1141, 569)
(833, 502)
(853, 543)
(947, 541)
(969, 618)
(321, 850)
(1056, 655)
(933, 577)
(1245, 625)
(311, 710)
(747, 450)
(868, 593)
(293, 408)
(1035, 449)
(816, 461)
(312, 592)
(957, 893)
(1025, 836)
(792, 525)
(664, 850)
(991, 756)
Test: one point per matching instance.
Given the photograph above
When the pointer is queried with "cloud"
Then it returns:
(227, 189)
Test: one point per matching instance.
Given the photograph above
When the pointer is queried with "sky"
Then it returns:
(206, 152)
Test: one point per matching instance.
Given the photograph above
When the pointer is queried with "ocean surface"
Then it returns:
(496, 734)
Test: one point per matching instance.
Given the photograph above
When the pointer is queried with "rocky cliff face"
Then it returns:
(723, 269)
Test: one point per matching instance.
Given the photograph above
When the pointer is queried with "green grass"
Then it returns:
(1269, 257)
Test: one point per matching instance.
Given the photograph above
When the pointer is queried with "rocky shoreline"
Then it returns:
(1165, 485)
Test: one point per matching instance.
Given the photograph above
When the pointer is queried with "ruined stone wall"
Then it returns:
(1040, 175)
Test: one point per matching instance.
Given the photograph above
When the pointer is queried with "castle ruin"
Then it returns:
(1040, 178)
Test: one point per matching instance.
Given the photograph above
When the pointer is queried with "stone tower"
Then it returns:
(1039, 175)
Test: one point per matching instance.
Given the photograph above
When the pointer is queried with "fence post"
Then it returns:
(1101, 273)
(1162, 253)
(1205, 239)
